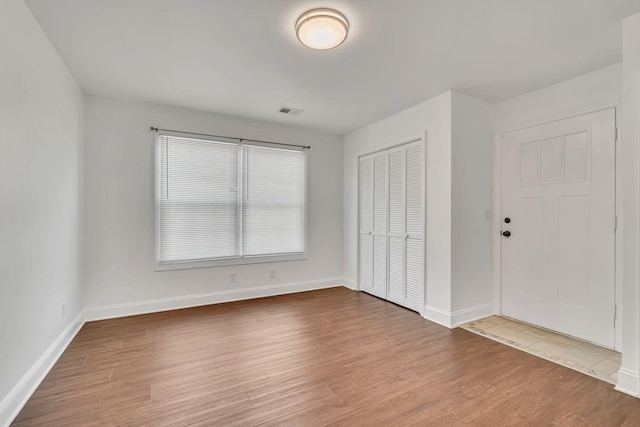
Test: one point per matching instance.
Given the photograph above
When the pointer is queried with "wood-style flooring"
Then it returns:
(329, 357)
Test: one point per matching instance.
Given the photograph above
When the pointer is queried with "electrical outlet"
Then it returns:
(64, 311)
(233, 276)
(272, 273)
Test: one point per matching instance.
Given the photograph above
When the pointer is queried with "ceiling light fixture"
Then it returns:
(322, 28)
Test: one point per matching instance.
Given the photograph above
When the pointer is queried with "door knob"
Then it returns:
(507, 220)
(506, 233)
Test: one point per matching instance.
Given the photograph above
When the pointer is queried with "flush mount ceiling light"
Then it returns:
(322, 29)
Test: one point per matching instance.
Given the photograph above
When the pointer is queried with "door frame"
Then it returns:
(376, 148)
(497, 210)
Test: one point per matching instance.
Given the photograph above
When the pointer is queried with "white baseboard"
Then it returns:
(470, 314)
(153, 306)
(628, 382)
(454, 319)
(13, 403)
(441, 317)
(349, 283)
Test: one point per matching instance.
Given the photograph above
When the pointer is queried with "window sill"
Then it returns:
(181, 265)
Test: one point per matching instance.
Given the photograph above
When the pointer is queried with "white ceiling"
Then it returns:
(241, 57)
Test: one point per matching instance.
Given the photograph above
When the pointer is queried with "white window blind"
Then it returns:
(273, 201)
(228, 201)
(198, 203)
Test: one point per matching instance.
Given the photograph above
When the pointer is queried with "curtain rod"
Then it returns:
(155, 129)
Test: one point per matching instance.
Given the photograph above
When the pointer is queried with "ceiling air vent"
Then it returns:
(292, 111)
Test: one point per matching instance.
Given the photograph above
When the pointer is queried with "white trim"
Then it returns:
(497, 224)
(438, 316)
(470, 314)
(385, 145)
(611, 103)
(454, 319)
(174, 303)
(628, 382)
(619, 233)
(13, 403)
(349, 283)
(185, 265)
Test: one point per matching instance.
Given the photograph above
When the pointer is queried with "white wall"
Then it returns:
(471, 203)
(120, 277)
(574, 96)
(629, 374)
(434, 118)
(458, 191)
(41, 118)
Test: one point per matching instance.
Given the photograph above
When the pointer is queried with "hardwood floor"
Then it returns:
(329, 357)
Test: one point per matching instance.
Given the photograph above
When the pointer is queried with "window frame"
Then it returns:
(243, 260)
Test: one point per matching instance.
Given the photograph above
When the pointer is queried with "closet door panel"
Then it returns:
(415, 203)
(396, 234)
(365, 254)
(414, 283)
(366, 195)
(396, 288)
(380, 194)
(414, 295)
(380, 200)
(380, 266)
(396, 192)
(366, 262)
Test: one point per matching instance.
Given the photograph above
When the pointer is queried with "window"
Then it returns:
(222, 202)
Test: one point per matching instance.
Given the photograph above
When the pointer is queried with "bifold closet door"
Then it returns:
(391, 225)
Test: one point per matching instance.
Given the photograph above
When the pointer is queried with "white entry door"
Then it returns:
(558, 226)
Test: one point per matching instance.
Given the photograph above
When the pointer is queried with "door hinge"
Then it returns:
(615, 312)
(615, 134)
(615, 223)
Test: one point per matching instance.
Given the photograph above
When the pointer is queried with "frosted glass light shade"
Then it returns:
(322, 29)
